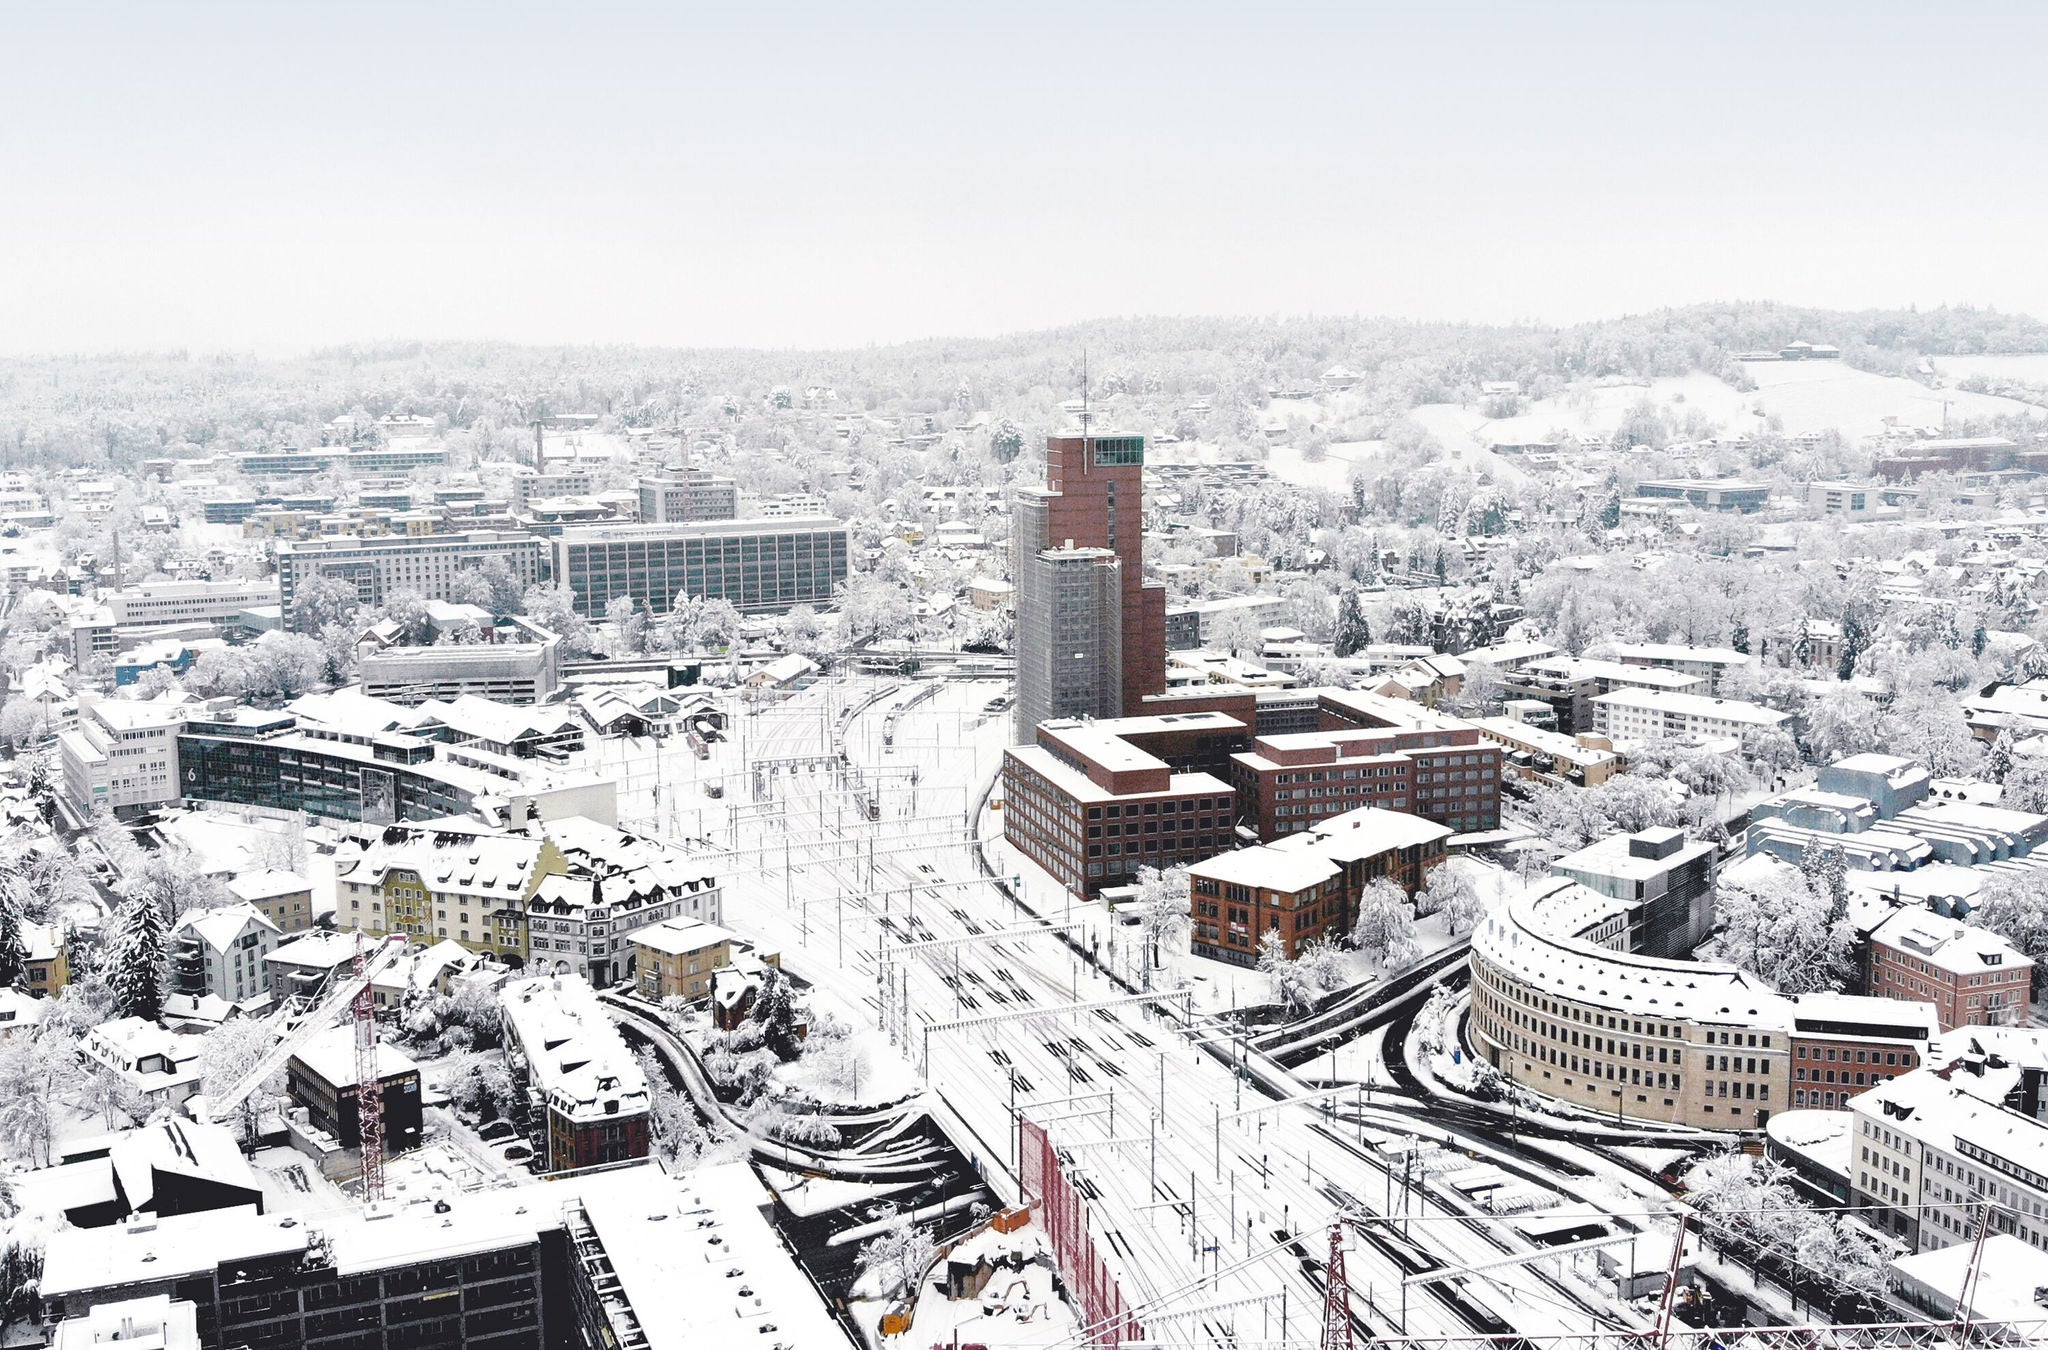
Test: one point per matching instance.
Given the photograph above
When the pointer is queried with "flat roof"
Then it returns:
(673, 1243)
(1082, 788)
(1695, 705)
(79, 1260)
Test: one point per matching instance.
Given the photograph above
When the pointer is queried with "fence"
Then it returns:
(1064, 1213)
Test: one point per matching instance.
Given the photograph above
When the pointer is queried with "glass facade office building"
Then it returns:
(390, 780)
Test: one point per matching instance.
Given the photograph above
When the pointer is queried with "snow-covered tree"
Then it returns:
(1449, 892)
(554, 608)
(1839, 723)
(14, 898)
(893, 1262)
(1354, 634)
(678, 1135)
(322, 600)
(135, 961)
(2014, 905)
(1780, 929)
(230, 1052)
(1385, 930)
(775, 1010)
(628, 621)
(1162, 912)
(34, 1072)
(1292, 988)
(1998, 759)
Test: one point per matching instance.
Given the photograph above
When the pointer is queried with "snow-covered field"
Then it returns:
(1827, 395)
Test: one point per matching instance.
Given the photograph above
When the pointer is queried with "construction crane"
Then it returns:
(355, 996)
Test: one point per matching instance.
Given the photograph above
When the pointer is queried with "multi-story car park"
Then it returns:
(761, 566)
(1559, 1008)
(629, 1256)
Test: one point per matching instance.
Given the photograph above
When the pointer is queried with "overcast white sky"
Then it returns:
(267, 176)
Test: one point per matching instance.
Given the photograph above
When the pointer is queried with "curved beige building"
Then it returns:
(1558, 1008)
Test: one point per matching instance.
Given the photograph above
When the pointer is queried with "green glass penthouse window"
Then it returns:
(1110, 450)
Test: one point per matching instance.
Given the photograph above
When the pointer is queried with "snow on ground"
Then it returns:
(874, 1073)
(1216, 985)
(228, 842)
(1829, 396)
(1598, 407)
(1016, 1310)
(1333, 471)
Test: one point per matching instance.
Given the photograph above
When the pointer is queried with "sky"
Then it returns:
(266, 177)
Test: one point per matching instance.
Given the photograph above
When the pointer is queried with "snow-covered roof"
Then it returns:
(1675, 652)
(220, 928)
(1524, 938)
(268, 884)
(2011, 1273)
(674, 1245)
(575, 1054)
(1945, 1106)
(1950, 945)
(318, 949)
(471, 861)
(80, 1260)
(681, 936)
(1695, 705)
(499, 723)
(181, 1148)
(331, 1056)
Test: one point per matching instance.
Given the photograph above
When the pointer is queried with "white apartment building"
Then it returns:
(1843, 499)
(617, 882)
(1932, 1144)
(163, 602)
(1709, 663)
(427, 564)
(122, 755)
(221, 952)
(1653, 715)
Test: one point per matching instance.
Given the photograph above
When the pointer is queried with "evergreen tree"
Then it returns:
(13, 945)
(1608, 514)
(1852, 646)
(1979, 639)
(775, 1010)
(1353, 632)
(135, 965)
(1740, 640)
(1998, 762)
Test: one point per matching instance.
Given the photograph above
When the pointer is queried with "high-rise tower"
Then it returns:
(1091, 634)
